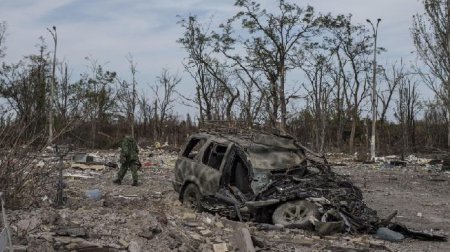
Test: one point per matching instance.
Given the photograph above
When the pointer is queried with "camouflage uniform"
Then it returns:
(128, 159)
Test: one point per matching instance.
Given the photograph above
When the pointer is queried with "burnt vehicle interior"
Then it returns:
(272, 179)
(213, 155)
(240, 176)
(193, 147)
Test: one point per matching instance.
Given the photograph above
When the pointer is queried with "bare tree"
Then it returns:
(145, 112)
(434, 117)
(67, 95)
(340, 81)
(272, 38)
(355, 44)
(408, 105)
(164, 91)
(3, 28)
(317, 68)
(225, 93)
(393, 77)
(52, 86)
(98, 96)
(211, 76)
(23, 85)
(251, 102)
(197, 42)
(128, 95)
(430, 32)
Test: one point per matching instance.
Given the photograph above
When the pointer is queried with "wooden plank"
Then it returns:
(80, 176)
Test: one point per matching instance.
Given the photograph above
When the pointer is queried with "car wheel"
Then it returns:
(295, 214)
(192, 197)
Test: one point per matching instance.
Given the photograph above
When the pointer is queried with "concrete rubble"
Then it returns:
(150, 217)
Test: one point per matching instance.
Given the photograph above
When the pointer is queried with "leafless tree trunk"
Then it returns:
(67, 96)
(145, 113)
(393, 80)
(319, 89)
(2, 39)
(355, 44)
(52, 86)
(156, 130)
(164, 92)
(340, 81)
(128, 96)
(408, 106)
(251, 102)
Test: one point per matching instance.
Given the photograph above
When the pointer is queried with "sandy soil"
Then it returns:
(421, 196)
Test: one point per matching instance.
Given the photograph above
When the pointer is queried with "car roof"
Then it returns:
(264, 150)
(253, 138)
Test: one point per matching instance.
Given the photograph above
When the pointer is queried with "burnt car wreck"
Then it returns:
(269, 178)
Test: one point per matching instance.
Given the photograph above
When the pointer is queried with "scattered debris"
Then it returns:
(389, 235)
(398, 163)
(151, 218)
(72, 231)
(220, 247)
(94, 194)
(446, 164)
(243, 240)
(95, 167)
(189, 216)
(126, 196)
(134, 247)
(77, 176)
(82, 158)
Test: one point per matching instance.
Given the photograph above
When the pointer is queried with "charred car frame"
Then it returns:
(269, 178)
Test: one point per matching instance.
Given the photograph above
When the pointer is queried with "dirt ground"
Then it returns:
(150, 217)
(421, 197)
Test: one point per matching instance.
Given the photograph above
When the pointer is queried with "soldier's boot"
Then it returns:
(123, 169)
(134, 174)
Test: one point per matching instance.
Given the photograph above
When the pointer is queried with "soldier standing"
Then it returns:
(128, 160)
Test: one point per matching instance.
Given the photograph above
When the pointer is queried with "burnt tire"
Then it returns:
(192, 197)
(295, 214)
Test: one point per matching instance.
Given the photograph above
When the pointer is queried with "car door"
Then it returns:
(237, 171)
(199, 163)
(209, 164)
(187, 162)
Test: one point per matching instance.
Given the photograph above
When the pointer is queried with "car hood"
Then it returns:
(274, 158)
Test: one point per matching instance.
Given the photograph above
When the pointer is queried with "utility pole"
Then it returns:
(448, 73)
(374, 89)
(52, 87)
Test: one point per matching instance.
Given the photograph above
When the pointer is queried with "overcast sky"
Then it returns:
(109, 30)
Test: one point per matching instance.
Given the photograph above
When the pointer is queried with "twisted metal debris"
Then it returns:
(269, 178)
